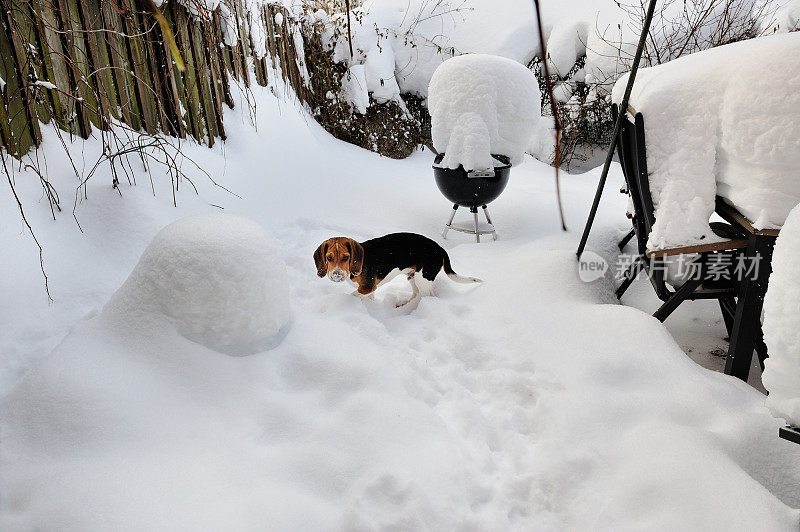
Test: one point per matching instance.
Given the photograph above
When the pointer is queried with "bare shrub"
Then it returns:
(682, 27)
(679, 27)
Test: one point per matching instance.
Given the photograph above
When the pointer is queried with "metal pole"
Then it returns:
(622, 110)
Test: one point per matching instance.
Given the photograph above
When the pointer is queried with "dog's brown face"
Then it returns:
(339, 258)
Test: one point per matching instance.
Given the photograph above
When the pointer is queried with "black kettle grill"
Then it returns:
(472, 189)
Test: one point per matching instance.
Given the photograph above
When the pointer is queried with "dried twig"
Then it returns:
(349, 36)
(27, 224)
(554, 109)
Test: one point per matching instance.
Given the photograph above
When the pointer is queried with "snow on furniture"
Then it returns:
(721, 122)
(482, 105)
(219, 279)
(782, 325)
(734, 269)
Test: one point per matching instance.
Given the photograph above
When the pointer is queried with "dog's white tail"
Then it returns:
(448, 269)
(461, 279)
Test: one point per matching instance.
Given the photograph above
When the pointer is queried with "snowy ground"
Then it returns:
(533, 401)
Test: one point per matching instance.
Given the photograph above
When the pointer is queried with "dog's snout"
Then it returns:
(337, 275)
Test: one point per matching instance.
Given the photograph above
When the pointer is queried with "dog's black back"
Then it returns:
(403, 250)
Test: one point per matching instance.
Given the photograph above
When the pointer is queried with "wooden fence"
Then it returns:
(86, 63)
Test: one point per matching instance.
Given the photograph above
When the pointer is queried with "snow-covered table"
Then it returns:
(722, 122)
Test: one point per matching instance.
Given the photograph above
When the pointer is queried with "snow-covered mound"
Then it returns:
(782, 324)
(219, 278)
(482, 105)
(722, 121)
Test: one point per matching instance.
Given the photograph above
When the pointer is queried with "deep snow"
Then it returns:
(781, 316)
(533, 401)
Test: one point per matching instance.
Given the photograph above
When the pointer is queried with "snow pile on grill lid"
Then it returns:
(722, 121)
(218, 278)
(782, 324)
(482, 105)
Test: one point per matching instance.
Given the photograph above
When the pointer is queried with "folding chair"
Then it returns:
(705, 281)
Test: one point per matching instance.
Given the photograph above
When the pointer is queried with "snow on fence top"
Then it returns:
(482, 105)
(721, 122)
(781, 316)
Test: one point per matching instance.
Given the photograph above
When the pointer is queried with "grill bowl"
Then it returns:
(473, 192)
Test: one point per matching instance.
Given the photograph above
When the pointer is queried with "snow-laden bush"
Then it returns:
(397, 45)
(785, 19)
(678, 28)
(219, 279)
(782, 324)
(482, 105)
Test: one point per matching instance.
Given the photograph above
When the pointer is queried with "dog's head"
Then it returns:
(339, 258)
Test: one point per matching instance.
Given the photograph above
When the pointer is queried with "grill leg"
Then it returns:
(477, 231)
(450, 221)
(488, 219)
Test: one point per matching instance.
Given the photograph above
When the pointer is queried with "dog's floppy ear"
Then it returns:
(356, 258)
(319, 259)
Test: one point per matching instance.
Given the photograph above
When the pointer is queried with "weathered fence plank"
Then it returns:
(202, 69)
(190, 79)
(99, 73)
(55, 70)
(215, 74)
(86, 63)
(223, 63)
(25, 33)
(75, 108)
(80, 61)
(138, 62)
(242, 48)
(24, 123)
(118, 56)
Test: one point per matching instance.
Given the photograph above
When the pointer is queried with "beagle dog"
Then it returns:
(368, 265)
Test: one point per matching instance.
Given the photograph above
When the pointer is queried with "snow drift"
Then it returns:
(722, 121)
(482, 105)
(782, 324)
(479, 411)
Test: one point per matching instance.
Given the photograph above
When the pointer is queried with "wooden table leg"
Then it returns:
(750, 300)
